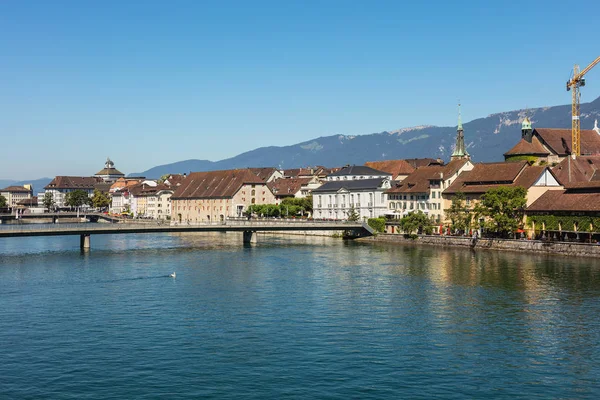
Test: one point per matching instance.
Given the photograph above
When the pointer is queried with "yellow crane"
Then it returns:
(575, 83)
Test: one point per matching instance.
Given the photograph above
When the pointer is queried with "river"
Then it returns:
(292, 317)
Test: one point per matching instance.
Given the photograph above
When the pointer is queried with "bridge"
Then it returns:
(90, 216)
(249, 228)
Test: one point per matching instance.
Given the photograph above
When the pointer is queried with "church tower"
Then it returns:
(526, 130)
(460, 152)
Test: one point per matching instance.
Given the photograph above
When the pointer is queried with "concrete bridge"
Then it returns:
(249, 228)
(54, 217)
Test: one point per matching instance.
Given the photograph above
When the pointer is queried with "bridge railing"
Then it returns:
(302, 224)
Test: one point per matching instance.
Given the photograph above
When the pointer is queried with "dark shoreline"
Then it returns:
(527, 246)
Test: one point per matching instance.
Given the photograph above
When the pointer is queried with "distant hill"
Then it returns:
(38, 184)
(486, 139)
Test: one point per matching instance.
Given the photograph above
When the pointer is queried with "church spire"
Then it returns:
(460, 151)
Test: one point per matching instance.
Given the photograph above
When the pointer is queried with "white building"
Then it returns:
(353, 187)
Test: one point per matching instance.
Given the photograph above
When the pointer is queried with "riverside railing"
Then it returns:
(99, 227)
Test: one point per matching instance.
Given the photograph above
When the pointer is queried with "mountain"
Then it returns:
(38, 184)
(486, 140)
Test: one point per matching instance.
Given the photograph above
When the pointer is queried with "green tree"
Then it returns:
(377, 223)
(504, 207)
(416, 221)
(2, 201)
(48, 200)
(458, 213)
(77, 198)
(352, 214)
(100, 199)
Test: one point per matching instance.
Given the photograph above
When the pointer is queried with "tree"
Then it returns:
(77, 198)
(352, 214)
(48, 201)
(2, 201)
(416, 221)
(100, 199)
(458, 213)
(505, 207)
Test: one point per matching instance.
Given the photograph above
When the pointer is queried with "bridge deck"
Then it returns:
(122, 228)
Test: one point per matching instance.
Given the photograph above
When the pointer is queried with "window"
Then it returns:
(253, 192)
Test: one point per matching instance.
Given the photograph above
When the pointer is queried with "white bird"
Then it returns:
(173, 275)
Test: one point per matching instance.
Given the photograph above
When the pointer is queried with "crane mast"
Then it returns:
(574, 84)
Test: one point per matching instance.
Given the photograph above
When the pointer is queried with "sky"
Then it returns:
(154, 82)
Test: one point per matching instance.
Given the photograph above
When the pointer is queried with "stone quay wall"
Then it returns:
(532, 246)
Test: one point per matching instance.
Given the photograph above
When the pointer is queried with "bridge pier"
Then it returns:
(249, 237)
(84, 241)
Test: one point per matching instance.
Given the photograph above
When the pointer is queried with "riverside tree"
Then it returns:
(2, 201)
(353, 215)
(48, 201)
(504, 208)
(416, 221)
(458, 213)
(77, 198)
(100, 199)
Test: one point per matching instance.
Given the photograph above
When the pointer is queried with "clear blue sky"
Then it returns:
(154, 82)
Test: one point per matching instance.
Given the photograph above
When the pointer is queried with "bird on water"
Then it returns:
(173, 275)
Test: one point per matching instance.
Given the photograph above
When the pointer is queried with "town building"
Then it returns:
(399, 169)
(109, 173)
(549, 146)
(214, 196)
(151, 200)
(358, 188)
(293, 187)
(15, 194)
(61, 185)
(422, 190)
(460, 150)
(536, 179)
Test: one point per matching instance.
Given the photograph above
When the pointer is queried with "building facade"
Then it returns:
(214, 196)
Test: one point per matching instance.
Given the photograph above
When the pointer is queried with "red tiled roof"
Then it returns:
(215, 184)
(423, 162)
(535, 148)
(73, 182)
(15, 189)
(561, 200)
(263, 173)
(29, 202)
(579, 169)
(287, 186)
(394, 167)
(559, 140)
(492, 175)
(419, 180)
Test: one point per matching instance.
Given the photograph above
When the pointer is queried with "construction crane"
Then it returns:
(575, 83)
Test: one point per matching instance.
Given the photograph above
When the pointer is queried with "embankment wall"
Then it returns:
(532, 246)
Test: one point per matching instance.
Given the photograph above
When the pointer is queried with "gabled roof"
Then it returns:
(358, 170)
(33, 201)
(351, 185)
(494, 172)
(559, 141)
(579, 169)
(73, 182)
(423, 162)
(147, 190)
(110, 171)
(535, 148)
(561, 200)
(486, 176)
(215, 184)
(287, 186)
(263, 173)
(15, 189)
(419, 180)
(394, 167)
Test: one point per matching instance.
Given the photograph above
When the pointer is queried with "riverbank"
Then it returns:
(529, 246)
